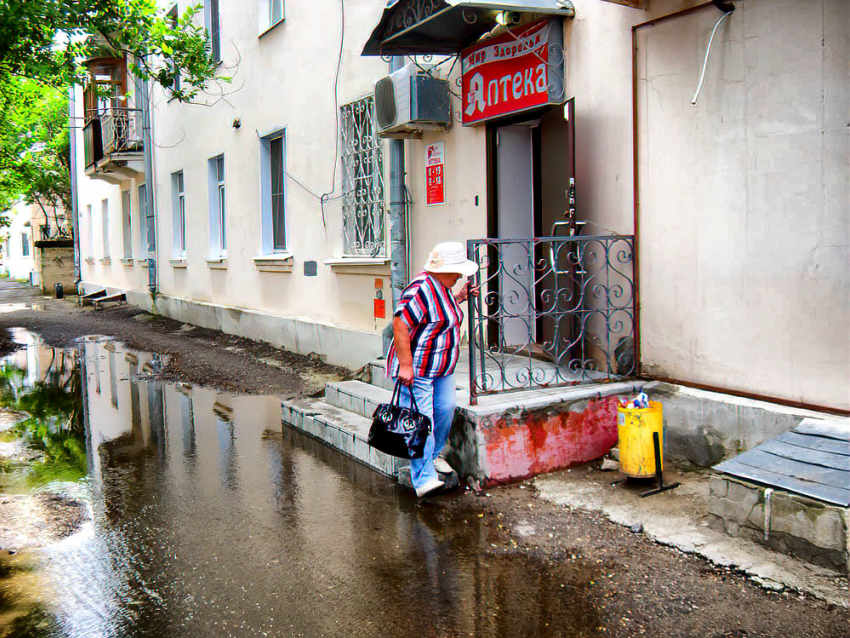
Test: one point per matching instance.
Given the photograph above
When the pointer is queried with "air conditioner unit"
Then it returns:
(409, 101)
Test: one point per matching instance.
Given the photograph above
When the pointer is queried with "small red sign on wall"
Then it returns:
(435, 185)
(380, 309)
(506, 74)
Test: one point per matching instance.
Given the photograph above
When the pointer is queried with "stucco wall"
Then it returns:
(283, 79)
(744, 200)
(116, 272)
(15, 264)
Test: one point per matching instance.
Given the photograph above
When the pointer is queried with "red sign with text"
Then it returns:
(435, 185)
(506, 74)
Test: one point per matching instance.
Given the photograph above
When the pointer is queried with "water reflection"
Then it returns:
(207, 520)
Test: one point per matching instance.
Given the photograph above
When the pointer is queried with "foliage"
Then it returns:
(47, 40)
(34, 145)
(54, 423)
(42, 47)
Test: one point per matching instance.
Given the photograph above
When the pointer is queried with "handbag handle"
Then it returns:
(397, 395)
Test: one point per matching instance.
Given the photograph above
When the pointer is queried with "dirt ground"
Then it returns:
(640, 588)
(195, 355)
(644, 589)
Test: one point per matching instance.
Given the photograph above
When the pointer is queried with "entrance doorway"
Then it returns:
(532, 194)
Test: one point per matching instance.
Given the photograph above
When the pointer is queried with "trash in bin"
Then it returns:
(635, 426)
(640, 428)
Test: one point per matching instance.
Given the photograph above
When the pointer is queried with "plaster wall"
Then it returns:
(283, 80)
(744, 200)
(98, 267)
(21, 222)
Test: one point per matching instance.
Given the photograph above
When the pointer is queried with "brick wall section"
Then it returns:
(56, 265)
(799, 526)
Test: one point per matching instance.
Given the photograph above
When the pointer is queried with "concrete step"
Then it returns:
(340, 429)
(378, 375)
(356, 396)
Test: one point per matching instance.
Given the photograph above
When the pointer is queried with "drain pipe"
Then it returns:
(398, 222)
(75, 218)
(150, 178)
(767, 512)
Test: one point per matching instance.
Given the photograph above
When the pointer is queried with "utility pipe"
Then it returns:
(398, 223)
(75, 219)
(150, 191)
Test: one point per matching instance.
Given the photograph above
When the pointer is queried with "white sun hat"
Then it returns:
(450, 257)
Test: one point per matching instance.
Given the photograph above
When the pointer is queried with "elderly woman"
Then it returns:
(425, 351)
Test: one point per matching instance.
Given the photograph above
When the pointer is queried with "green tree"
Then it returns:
(42, 48)
(34, 146)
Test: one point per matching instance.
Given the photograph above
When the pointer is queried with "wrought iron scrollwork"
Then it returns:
(411, 12)
(552, 311)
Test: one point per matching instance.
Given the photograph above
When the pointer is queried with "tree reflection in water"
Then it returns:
(53, 423)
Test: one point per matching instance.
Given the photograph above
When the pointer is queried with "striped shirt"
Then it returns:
(431, 313)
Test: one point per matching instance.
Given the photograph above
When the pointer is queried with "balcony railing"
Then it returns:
(122, 130)
(52, 231)
(552, 311)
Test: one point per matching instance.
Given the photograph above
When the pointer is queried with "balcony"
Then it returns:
(114, 147)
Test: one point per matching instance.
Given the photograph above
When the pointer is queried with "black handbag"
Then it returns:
(399, 431)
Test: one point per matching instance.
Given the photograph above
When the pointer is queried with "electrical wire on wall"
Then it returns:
(328, 196)
(707, 53)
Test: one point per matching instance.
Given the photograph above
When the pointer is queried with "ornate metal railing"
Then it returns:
(52, 231)
(122, 130)
(551, 311)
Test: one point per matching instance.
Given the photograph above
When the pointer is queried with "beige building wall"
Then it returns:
(23, 224)
(101, 265)
(282, 80)
(744, 200)
(744, 197)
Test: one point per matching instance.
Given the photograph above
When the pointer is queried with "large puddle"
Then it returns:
(203, 517)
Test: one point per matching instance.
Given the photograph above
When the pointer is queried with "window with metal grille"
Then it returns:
(362, 159)
(25, 245)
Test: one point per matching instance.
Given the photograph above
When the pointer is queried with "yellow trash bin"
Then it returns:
(635, 428)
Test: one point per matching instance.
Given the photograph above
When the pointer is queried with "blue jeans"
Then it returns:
(436, 399)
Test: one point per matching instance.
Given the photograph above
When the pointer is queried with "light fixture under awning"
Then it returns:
(445, 27)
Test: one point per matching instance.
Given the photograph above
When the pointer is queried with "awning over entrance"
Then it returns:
(445, 27)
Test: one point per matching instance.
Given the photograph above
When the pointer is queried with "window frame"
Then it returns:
(217, 206)
(173, 16)
(142, 195)
(25, 244)
(104, 225)
(212, 22)
(127, 222)
(178, 207)
(90, 231)
(265, 11)
(267, 194)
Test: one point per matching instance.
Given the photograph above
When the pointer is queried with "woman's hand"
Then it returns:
(405, 374)
(466, 292)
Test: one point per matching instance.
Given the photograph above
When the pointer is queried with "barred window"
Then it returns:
(362, 180)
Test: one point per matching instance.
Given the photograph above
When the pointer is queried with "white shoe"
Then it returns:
(442, 466)
(430, 486)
